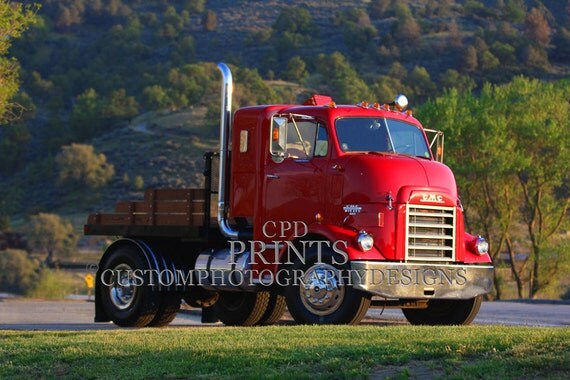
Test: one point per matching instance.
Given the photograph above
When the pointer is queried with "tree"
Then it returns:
(536, 57)
(81, 164)
(292, 29)
(15, 18)
(296, 70)
(359, 33)
(510, 154)
(17, 271)
(194, 6)
(537, 28)
(210, 21)
(455, 39)
(409, 30)
(13, 145)
(515, 10)
(420, 82)
(86, 117)
(51, 234)
(542, 137)
(120, 106)
(341, 80)
(469, 60)
(453, 79)
(155, 98)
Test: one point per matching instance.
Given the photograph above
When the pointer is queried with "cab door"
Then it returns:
(295, 174)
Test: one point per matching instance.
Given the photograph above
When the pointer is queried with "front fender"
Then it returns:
(343, 238)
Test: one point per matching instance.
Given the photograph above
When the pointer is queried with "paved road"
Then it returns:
(22, 314)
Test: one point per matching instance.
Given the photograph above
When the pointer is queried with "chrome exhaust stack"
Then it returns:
(225, 133)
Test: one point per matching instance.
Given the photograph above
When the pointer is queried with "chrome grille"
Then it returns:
(430, 233)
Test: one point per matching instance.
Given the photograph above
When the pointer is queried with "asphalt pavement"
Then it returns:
(75, 315)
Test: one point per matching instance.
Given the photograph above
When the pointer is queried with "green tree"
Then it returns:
(78, 163)
(155, 98)
(138, 183)
(251, 89)
(86, 117)
(359, 32)
(120, 106)
(13, 145)
(15, 18)
(453, 79)
(341, 80)
(52, 235)
(541, 133)
(194, 6)
(17, 271)
(419, 80)
(293, 29)
(296, 70)
(510, 153)
(515, 10)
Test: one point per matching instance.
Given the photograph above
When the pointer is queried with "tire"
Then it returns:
(241, 308)
(275, 310)
(445, 312)
(169, 307)
(322, 297)
(127, 301)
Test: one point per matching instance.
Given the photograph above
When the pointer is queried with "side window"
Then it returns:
(322, 142)
(297, 139)
(300, 139)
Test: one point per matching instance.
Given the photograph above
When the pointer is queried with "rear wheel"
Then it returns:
(445, 312)
(275, 310)
(321, 295)
(126, 296)
(169, 307)
(241, 308)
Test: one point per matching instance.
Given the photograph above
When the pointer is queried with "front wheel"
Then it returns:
(319, 292)
(445, 312)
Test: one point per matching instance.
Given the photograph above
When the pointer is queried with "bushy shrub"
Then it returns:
(18, 272)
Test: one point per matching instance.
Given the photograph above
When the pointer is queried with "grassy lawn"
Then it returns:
(289, 352)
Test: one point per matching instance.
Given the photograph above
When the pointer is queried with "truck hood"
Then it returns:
(371, 177)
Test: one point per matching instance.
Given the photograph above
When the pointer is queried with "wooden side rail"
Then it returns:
(160, 207)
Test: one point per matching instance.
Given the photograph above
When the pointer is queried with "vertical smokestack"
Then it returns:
(225, 131)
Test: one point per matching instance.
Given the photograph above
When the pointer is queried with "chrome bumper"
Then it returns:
(406, 280)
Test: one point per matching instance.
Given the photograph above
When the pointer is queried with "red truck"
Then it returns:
(321, 209)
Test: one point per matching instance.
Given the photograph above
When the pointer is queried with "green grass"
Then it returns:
(289, 352)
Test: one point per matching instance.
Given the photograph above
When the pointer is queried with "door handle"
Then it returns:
(272, 176)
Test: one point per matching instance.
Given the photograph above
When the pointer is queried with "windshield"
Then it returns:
(365, 134)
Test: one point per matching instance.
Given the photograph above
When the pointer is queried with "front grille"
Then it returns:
(430, 233)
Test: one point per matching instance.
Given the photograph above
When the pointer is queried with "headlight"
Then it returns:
(365, 241)
(481, 245)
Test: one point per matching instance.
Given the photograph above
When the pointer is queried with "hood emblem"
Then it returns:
(352, 209)
(432, 198)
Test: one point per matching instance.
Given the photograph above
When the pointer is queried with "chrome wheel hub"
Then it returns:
(321, 290)
(122, 290)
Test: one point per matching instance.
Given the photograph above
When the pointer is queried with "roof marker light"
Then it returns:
(401, 102)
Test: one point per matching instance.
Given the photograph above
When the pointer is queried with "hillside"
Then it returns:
(136, 79)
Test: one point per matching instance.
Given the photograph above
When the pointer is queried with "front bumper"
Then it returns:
(407, 280)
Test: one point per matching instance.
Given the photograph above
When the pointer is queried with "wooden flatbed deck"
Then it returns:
(178, 213)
